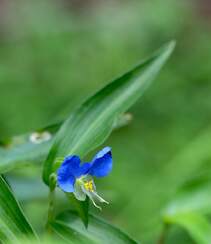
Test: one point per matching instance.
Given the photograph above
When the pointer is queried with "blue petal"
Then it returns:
(70, 166)
(64, 182)
(84, 168)
(102, 163)
(66, 173)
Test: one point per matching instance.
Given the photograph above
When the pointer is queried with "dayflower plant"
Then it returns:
(72, 176)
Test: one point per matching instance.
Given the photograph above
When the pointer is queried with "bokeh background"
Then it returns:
(56, 53)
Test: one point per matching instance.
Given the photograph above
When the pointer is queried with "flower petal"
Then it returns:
(70, 166)
(78, 192)
(102, 163)
(84, 168)
(91, 192)
(66, 183)
(67, 172)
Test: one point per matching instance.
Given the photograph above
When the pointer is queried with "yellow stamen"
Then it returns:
(89, 186)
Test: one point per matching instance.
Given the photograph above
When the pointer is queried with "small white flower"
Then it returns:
(39, 137)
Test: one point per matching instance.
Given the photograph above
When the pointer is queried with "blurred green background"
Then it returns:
(54, 54)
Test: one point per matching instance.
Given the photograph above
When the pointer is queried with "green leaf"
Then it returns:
(19, 151)
(188, 206)
(23, 188)
(90, 124)
(195, 224)
(69, 227)
(22, 155)
(13, 224)
(81, 207)
(193, 196)
(188, 161)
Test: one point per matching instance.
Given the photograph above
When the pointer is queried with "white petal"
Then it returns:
(78, 192)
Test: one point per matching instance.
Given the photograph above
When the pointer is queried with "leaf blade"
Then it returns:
(92, 122)
(195, 224)
(13, 224)
(194, 197)
(14, 156)
(81, 207)
(98, 231)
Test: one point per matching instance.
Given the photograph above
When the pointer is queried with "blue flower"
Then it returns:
(72, 176)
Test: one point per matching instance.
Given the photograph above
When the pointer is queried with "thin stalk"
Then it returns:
(50, 209)
(162, 238)
(51, 198)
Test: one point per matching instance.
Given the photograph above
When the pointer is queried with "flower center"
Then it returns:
(89, 186)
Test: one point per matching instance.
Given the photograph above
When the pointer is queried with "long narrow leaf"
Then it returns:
(69, 227)
(90, 124)
(195, 224)
(193, 196)
(13, 225)
(20, 151)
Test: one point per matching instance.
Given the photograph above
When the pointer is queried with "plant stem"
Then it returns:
(162, 237)
(51, 197)
(50, 209)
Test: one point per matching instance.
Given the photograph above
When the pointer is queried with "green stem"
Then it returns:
(163, 235)
(51, 198)
(50, 209)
